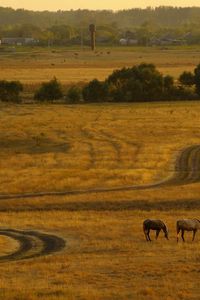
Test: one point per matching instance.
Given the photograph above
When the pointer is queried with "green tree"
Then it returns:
(10, 91)
(51, 90)
(187, 78)
(139, 83)
(197, 79)
(74, 94)
(95, 91)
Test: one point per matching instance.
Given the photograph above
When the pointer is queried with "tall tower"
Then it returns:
(92, 30)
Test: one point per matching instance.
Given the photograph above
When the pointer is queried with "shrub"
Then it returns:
(51, 90)
(139, 83)
(74, 94)
(187, 79)
(95, 91)
(10, 91)
(197, 79)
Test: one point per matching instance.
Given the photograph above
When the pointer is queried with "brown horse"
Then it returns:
(156, 225)
(187, 225)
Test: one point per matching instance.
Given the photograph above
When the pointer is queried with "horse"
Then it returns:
(156, 225)
(187, 225)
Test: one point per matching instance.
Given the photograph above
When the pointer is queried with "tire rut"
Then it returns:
(187, 171)
(32, 244)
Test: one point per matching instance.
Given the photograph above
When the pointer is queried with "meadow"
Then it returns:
(69, 65)
(66, 147)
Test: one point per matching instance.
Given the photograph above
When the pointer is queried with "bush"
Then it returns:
(51, 90)
(74, 94)
(197, 79)
(139, 83)
(95, 91)
(187, 79)
(10, 91)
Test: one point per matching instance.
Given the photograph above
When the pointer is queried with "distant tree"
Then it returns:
(74, 94)
(139, 83)
(197, 79)
(95, 91)
(10, 91)
(51, 90)
(168, 82)
(187, 78)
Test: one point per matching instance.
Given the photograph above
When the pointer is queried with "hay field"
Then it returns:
(58, 147)
(31, 66)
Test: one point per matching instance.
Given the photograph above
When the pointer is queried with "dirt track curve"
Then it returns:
(31, 244)
(187, 171)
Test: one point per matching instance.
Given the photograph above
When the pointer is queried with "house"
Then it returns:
(18, 41)
(166, 41)
(127, 42)
(129, 38)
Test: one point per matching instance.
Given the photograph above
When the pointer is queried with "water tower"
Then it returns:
(92, 30)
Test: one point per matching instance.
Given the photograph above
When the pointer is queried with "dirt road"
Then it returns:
(187, 171)
(32, 244)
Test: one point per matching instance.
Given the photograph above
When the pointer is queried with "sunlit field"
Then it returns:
(31, 66)
(67, 148)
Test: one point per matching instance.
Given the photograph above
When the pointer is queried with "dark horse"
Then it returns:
(187, 225)
(156, 225)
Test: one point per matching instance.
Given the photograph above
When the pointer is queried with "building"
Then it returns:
(128, 42)
(18, 41)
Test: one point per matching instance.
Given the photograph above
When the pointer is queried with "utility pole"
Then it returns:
(92, 30)
(81, 38)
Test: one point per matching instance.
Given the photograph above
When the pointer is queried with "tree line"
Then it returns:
(71, 27)
(139, 83)
(163, 16)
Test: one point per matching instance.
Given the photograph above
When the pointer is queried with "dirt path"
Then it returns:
(187, 171)
(187, 167)
(32, 244)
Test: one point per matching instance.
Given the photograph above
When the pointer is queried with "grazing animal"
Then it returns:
(156, 225)
(187, 225)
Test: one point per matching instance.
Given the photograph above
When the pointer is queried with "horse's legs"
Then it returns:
(178, 231)
(194, 233)
(148, 235)
(182, 235)
(157, 233)
(145, 233)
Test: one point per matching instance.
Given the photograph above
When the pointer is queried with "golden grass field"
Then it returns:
(31, 66)
(62, 147)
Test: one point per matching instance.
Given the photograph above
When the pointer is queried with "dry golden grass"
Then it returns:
(68, 66)
(106, 257)
(89, 146)
(52, 147)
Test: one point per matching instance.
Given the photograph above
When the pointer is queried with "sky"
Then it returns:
(98, 4)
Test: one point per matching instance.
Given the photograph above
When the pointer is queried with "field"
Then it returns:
(31, 66)
(91, 245)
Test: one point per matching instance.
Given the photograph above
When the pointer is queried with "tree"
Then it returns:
(10, 91)
(95, 91)
(187, 79)
(139, 83)
(51, 90)
(197, 79)
(74, 94)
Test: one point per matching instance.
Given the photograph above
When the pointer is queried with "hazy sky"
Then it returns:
(99, 4)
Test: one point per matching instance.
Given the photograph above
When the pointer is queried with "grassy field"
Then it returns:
(58, 147)
(31, 66)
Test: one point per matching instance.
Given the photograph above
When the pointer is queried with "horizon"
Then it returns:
(90, 5)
